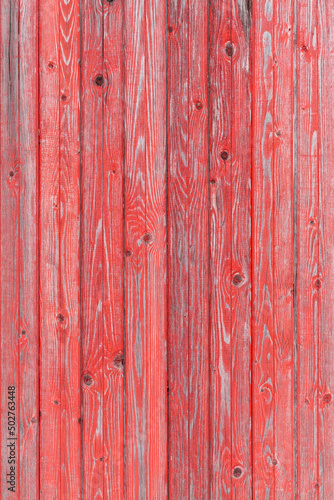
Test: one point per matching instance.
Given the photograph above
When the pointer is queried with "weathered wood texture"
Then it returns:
(272, 249)
(59, 238)
(145, 248)
(230, 248)
(167, 272)
(188, 249)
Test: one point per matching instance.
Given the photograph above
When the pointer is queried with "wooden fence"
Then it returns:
(167, 249)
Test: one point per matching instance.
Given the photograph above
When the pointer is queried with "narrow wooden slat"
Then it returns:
(59, 248)
(325, 37)
(220, 249)
(188, 246)
(69, 246)
(50, 364)
(93, 276)
(113, 357)
(241, 249)
(29, 309)
(230, 278)
(145, 244)
(272, 249)
(307, 445)
(11, 190)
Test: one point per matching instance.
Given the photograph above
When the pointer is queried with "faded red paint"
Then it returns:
(167, 271)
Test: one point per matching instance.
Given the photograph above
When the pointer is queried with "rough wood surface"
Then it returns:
(145, 248)
(166, 260)
(19, 304)
(272, 249)
(188, 249)
(59, 266)
(230, 244)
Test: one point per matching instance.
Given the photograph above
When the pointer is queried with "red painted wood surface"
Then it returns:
(167, 272)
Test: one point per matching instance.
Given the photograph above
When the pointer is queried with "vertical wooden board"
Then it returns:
(307, 250)
(28, 328)
(93, 90)
(11, 188)
(49, 285)
(220, 249)
(188, 246)
(145, 244)
(230, 272)
(272, 249)
(113, 420)
(325, 36)
(241, 248)
(283, 249)
(59, 249)
(69, 247)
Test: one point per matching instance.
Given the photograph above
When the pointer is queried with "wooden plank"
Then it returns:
(241, 248)
(11, 184)
(325, 37)
(93, 89)
(69, 246)
(28, 333)
(145, 247)
(59, 249)
(188, 250)
(50, 392)
(220, 249)
(307, 444)
(113, 403)
(272, 249)
(230, 266)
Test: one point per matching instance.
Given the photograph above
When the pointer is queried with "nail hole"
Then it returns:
(51, 65)
(63, 97)
(170, 29)
(237, 279)
(33, 420)
(11, 173)
(147, 238)
(213, 181)
(307, 401)
(327, 398)
(23, 332)
(99, 80)
(304, 48)
(237, 472)
(56, 402)
(229, 49)
(274, 462)
(60, 318)
(224, 155)
(199, 105)
(317, 283)
(128, 253)
(88, 379)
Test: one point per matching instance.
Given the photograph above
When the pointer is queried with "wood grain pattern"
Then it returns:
(307, 291)
(10, 230)
(19, 306)
(93, 89)
(59, 249)
(325, 36)
(272, 249)
(145, 248)
(166, 260)
(230, 238)
(188, 252)
(113, 357)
